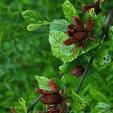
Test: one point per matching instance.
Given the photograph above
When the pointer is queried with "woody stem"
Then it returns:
(30, 109)
(84, 75)
(103, 36)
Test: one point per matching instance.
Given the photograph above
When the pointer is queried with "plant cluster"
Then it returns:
(83, 42)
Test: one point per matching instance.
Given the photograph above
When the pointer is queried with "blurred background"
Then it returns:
(24, 54)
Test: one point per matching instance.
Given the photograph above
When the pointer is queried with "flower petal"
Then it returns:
(79, 36)
(90, 25)
(70, 41)
(53, 86)
(79, 26)
(43, 92)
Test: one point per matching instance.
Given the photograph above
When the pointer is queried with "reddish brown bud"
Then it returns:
(53, 98)
(78, 70)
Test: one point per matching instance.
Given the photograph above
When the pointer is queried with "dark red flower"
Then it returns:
(51, 98)
(78, 32)
(78, 70)
(95, 5)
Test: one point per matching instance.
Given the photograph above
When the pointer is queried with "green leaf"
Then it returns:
(33, 27)
(78, 103)
(97, 95)
(22, 102)
(59, 25)
(110, 36)
(43, 82)
(102, 60)
(103, 55)
(69, 10)
(21, 107)
(31, 16)
(57, 38)
(102, 107)
(59, 50)
(64, 52)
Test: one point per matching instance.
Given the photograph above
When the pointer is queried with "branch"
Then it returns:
(105, 30)
(84, 75)
(30, 109)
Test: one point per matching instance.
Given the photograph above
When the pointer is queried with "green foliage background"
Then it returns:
(24, 54)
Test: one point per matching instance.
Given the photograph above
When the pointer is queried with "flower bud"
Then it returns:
(78, 70)
(53, 98)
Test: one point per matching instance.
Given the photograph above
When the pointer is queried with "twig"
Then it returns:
(30, 109)
(103, 36)
(84, 74)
